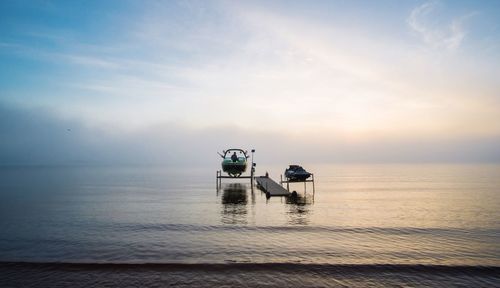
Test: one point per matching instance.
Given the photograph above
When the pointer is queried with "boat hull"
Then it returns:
(297, 176)
(296, 173)
(234, 169)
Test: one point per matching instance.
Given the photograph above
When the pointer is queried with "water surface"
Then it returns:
(436, 224)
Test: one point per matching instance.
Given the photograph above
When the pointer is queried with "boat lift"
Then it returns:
(219, 176)
(288, 181)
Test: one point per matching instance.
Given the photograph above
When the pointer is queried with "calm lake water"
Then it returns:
(365, 225)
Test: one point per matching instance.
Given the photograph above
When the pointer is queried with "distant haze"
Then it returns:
(37, 137)
(172, 83)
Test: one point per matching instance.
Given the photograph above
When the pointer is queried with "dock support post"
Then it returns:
(313, 185)
(252, 175)
(220, 179)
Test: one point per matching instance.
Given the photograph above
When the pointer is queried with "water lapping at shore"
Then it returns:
(37, 274)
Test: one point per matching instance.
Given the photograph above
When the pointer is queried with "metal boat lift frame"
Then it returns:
(297, 181)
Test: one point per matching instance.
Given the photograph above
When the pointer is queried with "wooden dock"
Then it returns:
(271, 188)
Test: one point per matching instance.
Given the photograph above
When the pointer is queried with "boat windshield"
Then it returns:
(239, 153)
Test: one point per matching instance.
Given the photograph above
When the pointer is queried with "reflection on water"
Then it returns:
(234, 204)
(299, 209)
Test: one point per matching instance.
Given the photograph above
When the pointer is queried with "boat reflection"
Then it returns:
(234, 204)
(299, 209)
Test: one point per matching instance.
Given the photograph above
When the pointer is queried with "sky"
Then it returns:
(317, 81)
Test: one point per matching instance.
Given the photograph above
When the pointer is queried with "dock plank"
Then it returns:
(271, 187)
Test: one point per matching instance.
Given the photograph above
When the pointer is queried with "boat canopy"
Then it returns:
(239, 152)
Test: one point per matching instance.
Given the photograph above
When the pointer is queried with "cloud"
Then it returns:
(257, 68)
(34, 136)
(89, 61)
(449, 36)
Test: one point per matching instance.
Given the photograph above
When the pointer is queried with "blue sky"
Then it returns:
(359, 73)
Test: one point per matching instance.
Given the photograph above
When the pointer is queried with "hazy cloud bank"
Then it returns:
(40, 137)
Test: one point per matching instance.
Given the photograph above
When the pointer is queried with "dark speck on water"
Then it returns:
(366, 225)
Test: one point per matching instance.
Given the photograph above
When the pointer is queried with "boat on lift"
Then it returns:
(296, 173)
(234, 161)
